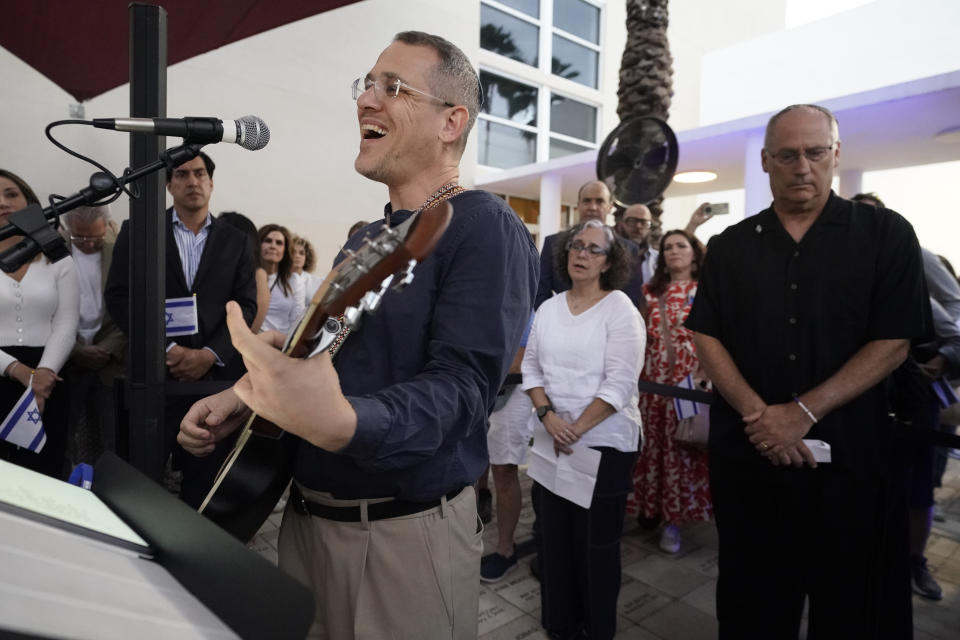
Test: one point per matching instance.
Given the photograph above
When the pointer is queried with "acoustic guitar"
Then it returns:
(260, 465)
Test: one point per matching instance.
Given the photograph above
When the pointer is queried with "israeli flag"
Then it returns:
(687, 408)
(23, 426)
(181, 316)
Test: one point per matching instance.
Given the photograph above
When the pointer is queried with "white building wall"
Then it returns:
(698, 28)
(879, 44)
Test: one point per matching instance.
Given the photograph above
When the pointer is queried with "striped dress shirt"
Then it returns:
(190, 246)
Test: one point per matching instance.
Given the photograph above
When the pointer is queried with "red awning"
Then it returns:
(84, 46)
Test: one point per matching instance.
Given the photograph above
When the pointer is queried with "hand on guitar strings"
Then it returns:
(210, 420)
(301, 396)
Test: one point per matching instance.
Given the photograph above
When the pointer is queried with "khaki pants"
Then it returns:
(415, 576)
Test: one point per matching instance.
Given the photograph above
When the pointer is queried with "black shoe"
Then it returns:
(649, 524)
(922, 582)
(494, 566)
(485, 505)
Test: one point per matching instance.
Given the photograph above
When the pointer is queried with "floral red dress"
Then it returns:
(671, 480)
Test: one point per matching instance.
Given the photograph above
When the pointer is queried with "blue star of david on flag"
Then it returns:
(23, 426)
(181, 316)
(687, 408)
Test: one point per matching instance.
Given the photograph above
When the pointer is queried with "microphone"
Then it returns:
(250, 132)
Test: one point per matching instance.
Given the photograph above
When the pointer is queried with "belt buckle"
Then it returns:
(299, 502)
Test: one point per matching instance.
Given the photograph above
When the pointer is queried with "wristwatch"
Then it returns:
(542, 411)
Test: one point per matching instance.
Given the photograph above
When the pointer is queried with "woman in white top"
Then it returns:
(580, 369)
(304, 260)
(286, 289)
(39, 312)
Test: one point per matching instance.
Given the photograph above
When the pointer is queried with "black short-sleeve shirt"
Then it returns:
(792, 313)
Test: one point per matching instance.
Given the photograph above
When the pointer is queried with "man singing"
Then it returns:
(382, 522)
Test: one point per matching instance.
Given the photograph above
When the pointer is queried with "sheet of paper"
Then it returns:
(819, 449)
(570, 476)
(37, 493)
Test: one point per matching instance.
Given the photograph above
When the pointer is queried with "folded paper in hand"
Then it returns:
(570, 476)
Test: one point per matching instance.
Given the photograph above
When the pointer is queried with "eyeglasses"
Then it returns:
(787, 157)
(391, 89)
(637, 222)
(594, 249)
(83, 239)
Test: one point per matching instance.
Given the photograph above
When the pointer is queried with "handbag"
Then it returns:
(695, 430)
(692, 430)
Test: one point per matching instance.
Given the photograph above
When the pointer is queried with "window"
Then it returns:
(507, 125)
(509, 36)
(528, 118)
(571, 30)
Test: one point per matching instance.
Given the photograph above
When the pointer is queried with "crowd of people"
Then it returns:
(790, 331)
(65, 323)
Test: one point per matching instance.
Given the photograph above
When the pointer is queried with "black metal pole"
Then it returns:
(148, 235)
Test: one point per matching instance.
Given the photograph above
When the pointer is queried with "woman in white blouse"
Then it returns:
(39, 311)
(286, 289)
(304, 260)
(580, 369)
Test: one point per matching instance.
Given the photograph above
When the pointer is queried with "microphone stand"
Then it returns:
(33, 223)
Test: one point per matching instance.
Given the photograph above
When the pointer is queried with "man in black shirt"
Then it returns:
(801, 313)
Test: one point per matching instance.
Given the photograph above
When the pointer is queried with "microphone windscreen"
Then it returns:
(253, 133)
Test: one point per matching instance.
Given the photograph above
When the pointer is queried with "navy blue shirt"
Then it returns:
(422, 372)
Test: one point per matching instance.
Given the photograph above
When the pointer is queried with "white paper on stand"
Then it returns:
(571, 476)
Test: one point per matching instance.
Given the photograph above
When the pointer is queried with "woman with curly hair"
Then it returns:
(286, 289)
(304, 260)
(671, 480)
(580, 370)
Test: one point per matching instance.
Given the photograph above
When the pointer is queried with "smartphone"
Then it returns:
(718, 209)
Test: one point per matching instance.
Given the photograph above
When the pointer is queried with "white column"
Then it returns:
(851, 181)
(756, 184)
(549, 222)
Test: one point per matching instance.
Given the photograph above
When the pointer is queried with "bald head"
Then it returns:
(593, 201)
(814, 109)
(635, 224)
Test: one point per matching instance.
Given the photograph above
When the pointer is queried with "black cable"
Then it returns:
(120, 187)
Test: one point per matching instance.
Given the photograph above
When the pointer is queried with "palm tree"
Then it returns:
(646, 70)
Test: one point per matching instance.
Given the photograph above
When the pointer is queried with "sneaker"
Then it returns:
(494, 566)
(670, 539)
(922, 582)
(485, 505)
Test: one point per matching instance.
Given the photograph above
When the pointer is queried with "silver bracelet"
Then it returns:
(807, 411)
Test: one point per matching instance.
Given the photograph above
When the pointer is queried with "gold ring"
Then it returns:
(764, 446)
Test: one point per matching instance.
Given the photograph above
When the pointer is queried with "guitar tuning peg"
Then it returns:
(351, 315)
(370, 301)
(406, 278)
(350, 253)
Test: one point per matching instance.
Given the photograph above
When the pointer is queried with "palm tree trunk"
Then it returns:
(646, 70)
